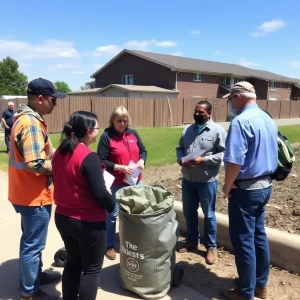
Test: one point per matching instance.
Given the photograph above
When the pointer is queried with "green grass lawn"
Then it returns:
(160, 144)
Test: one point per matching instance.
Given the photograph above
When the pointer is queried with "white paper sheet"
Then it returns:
(188, 158)
(133, 178)
(109, 179)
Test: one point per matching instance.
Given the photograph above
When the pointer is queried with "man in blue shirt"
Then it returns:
(7, 120)
(251, 156)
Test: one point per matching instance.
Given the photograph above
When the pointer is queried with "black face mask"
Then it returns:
(199, 119)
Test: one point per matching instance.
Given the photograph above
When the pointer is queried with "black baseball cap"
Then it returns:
(41, 86)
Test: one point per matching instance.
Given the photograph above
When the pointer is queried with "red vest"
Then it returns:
(71, 193)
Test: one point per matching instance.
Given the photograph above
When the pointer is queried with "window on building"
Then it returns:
(289, 86)
(127, 79)
(273, 98)
(197, 77)
(238, 79)
(227, 81)
(222, 80)
(272, 85)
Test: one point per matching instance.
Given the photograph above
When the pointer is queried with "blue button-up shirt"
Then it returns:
(252, 143)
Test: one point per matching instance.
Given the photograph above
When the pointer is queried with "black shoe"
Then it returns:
(49, 278)
(40, 295)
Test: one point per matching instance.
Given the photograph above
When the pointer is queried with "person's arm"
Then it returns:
(31, 143)
(235, 154)
(142, 151)
(103, 152)
(216, 159)
(231, 173)
(180, 150)
(3, 120)
(91, 169)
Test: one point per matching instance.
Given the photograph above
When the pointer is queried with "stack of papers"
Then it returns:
(133, 178)
(109, 179)
(188, 158)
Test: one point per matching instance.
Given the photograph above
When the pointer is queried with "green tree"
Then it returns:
(85, 87)
(62, 86)
(12, 81)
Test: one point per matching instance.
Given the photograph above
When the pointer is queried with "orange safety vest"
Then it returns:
(27, 188)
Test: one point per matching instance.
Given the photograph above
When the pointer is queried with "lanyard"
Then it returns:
(126, 144)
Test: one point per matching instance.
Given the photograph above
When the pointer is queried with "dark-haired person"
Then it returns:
(81, 199)
(7, 120)
(205, 140)
(119, 145)
(30, 184)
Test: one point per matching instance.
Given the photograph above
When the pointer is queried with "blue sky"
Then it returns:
(61, 40)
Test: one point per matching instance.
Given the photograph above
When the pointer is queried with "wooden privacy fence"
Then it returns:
(151, 112)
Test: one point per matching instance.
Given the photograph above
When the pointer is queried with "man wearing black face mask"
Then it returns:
(204, 144)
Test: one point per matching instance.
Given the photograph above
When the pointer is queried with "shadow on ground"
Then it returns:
(9, 281)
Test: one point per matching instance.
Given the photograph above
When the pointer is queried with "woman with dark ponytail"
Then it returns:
(81, 200)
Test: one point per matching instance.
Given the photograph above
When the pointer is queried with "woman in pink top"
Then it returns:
(82, 201)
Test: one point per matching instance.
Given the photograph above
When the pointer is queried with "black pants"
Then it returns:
(7, 133)
(85, 244)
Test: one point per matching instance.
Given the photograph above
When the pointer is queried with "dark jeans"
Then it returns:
(85, 245)
(204, 193)
(7, 133)
(246, 211)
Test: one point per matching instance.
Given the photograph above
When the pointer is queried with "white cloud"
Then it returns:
(267, 27)
(97, 66)
(166, 44)
(24, 65)
(29, 51)
(138, 45)
(177, 53)
(246, 63)
(112, 50)
(63, 66)
(109, 50)
(218, 52)
(195, 32)
(294, 64)
(78, 72)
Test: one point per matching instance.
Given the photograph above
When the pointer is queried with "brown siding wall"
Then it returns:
(144, 73)
(295, 92)
(261, 87)
(282, 92)
(207, 88)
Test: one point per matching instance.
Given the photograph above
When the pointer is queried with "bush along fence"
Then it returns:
(152, 112)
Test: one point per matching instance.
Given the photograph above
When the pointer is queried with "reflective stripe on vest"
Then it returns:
(17, 165)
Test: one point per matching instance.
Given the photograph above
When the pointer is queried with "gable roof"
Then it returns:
(94, 90)
(139, 88)
(185, 64)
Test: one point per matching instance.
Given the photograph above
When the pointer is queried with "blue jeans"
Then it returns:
(246, 211)
(7, 133)
(111, 218)
(34, 225)
(204, 193)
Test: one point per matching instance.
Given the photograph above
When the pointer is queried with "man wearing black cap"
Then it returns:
(30, 184)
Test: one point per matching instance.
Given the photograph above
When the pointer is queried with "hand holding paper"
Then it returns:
(133, 178)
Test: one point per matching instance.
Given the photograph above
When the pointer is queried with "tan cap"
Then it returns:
(239, 88)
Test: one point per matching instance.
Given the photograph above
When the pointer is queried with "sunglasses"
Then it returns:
(122, 121)
(229, 99)
(52, 99)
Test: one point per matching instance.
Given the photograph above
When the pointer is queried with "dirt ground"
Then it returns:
(283, 209)
(283, 213)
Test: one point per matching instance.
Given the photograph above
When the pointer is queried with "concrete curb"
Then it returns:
(284, 247)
